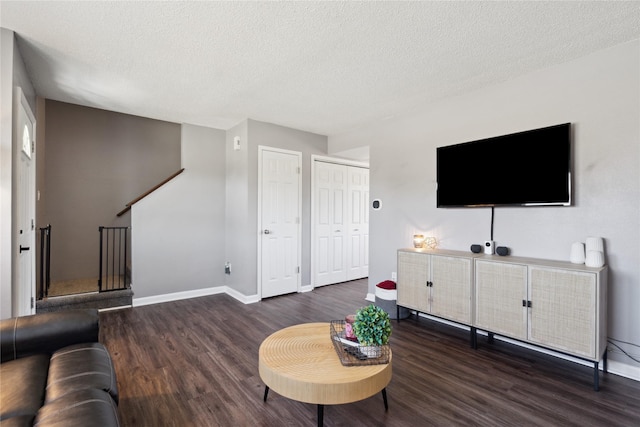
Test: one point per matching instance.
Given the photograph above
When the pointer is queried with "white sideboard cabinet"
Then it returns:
(551, 304)
(438, 283)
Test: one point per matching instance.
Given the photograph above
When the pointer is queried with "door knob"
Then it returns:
(23, 248)
(267, 232)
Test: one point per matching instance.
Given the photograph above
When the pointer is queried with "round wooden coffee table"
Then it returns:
(300, 363)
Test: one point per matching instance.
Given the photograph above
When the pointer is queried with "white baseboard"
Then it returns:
(176, 296)
(371, 297)
(114, 308)
(623, 369)
(245, 299)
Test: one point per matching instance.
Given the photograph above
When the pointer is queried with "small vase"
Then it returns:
(594, 259)
(577, 253)
(595, 244)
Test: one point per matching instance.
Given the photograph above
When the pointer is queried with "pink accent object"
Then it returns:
(350, 318)
(348, 331)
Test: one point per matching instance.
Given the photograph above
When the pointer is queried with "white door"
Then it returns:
(25, 286)
(358, 222)
(280, 229)
(330, 220)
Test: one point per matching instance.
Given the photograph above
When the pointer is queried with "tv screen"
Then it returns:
(531, 168)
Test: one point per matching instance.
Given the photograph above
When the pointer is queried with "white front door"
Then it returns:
(280, 228)
(24, 289)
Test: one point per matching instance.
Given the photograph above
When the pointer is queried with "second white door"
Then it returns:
(341, 223)
(357, 222)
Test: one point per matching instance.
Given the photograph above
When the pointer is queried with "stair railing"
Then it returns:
(146, 193)
(114, 271)
(45, 261)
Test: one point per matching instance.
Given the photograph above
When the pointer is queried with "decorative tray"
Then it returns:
(351, 353)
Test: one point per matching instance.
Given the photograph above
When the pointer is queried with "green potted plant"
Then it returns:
(372, 327)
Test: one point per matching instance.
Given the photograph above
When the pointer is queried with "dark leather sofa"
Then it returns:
(54, 372)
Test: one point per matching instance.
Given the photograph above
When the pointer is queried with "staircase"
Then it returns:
(111, 289)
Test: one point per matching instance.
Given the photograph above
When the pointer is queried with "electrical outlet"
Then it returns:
(227, 268)
(394, 275)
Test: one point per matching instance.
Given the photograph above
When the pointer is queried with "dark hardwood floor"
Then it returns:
(195, 363)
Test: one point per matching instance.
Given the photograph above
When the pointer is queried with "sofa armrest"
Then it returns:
(47, 332)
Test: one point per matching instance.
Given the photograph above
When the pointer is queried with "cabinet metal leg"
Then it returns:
(596, 371)
(490, 337)
(384, 398)
(320, 415)
(266, 392)
(473, 338)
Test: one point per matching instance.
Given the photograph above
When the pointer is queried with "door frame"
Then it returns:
(22, 105)
(314, 235)
(298, 154)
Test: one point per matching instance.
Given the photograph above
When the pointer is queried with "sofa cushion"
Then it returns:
(80, 408)
(21, 421)
(78, 367)
(23, 386)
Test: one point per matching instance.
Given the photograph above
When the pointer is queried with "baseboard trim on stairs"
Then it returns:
(98, 300)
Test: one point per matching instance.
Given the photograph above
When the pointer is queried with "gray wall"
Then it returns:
(599, 95)
(242, 196)
(240, 237)
(13, 74)
(178, 231)
(98, 161)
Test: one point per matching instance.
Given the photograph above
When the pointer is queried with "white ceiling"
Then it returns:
(324, 67)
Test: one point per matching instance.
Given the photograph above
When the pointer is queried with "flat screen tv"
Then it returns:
(531, 168)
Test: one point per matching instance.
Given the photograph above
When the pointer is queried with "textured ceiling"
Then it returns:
(324, 67)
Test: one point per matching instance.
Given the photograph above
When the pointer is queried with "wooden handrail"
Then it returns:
(146, 193)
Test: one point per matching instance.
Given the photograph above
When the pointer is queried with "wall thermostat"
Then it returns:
(376, 204)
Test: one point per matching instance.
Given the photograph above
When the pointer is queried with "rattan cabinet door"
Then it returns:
(451, 288)
(563, 310)
(500, 290)
(413, 274)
